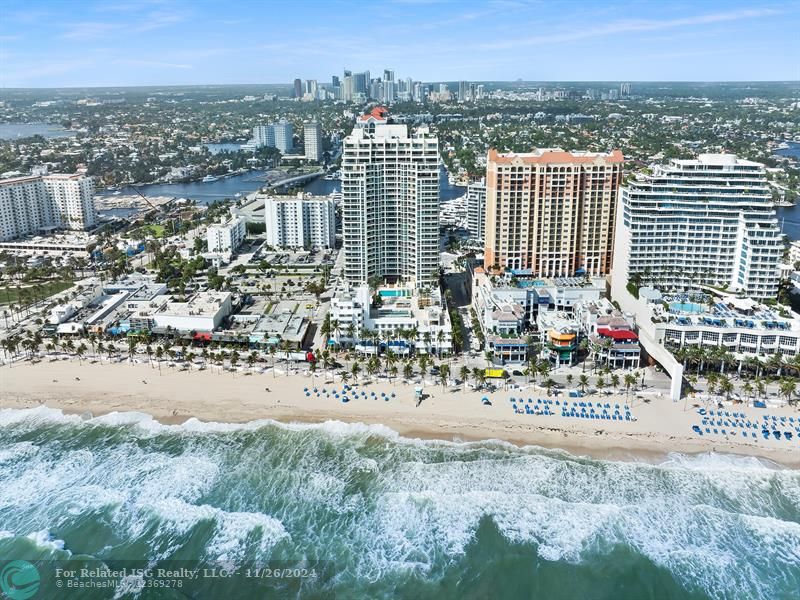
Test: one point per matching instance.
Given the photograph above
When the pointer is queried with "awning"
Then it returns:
(561, 337)
(617, 334)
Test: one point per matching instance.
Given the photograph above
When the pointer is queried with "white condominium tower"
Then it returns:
(39, 204)
(227, 236)
(312, 140)
(476, 209)
(390, 196)
(284, 133)
(264, 135)
(301, 221)
(704, 221)
(551, 212)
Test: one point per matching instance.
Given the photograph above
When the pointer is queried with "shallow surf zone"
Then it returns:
(391, 516)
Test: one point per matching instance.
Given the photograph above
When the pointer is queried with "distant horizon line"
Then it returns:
(494, 81)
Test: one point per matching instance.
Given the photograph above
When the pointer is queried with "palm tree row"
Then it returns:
(719, 359)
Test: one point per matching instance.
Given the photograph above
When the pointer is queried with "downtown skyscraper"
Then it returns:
(551, 213)
(390, 199)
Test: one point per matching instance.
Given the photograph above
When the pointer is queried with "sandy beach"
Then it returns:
(172, 396)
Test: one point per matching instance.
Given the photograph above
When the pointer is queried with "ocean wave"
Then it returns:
(384, 506)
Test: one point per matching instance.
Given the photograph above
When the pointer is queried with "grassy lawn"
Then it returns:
(153, 230)
(10, 295)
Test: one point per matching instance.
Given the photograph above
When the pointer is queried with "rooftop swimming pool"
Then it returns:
(393, 293)
(531, 283)
(686, 307)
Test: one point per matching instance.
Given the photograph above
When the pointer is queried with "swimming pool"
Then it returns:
(528, 283)
(687, 307)
(393, 293)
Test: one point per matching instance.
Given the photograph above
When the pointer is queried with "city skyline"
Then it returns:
(160, 43)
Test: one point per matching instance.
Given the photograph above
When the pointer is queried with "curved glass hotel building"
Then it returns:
(709, 220)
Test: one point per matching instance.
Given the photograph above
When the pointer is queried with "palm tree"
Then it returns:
(464, 374)
(629, 380)
(583, 347)
(795, 363)
(544, 368)
(159, 356)
(761, 387)
(725, 358)
(372, 366)
(390, 357)
(533, 367)
(444, 373)
(775, 361)
(549, 384)
(788, 388)
(355, 368)
(408, 370)
(423, 361)
(272, 351)
(600, 383)
(747, 388)
(615, 381)
(712, 381)
(80, 351)
(481, 377)
(570, 378)
(754, 364)
(583, 382)
(726, 387)
(312, 369)
(392, 372)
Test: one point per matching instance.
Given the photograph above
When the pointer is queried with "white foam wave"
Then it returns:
(572, 508)
(714, 521)
(19, 451)
(35, 416)
(716, 462)
(232, 529)
(43, 539)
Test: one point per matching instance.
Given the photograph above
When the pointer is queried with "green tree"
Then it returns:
(444, 374)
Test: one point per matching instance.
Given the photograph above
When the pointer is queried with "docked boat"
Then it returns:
(210, 179)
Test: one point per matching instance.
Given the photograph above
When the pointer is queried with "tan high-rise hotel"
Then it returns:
(551, 212)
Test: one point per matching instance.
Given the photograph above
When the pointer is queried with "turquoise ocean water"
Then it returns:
(369, 514)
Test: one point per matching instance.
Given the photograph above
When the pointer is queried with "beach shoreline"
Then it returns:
(171, 397)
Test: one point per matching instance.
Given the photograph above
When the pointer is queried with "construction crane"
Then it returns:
(145, 198)
(158, 209)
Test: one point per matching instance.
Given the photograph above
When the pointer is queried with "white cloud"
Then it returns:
(88, 30)
(630, 26)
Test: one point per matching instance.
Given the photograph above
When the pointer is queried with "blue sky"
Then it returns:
(53, 43)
